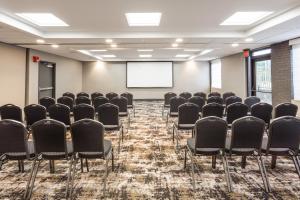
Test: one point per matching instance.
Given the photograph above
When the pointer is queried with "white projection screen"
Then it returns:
(149, 74)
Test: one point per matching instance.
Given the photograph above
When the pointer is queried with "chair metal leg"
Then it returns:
(227, 173)
(30, 184)
(87, 165)
(214, 161)
(263, 172)
(297, 164)
(177, 140)
(119, 141)
(30, 177)
(173, 133)
(185, 152)
(193, 171)
(112, 160)
(51, 166)
(244, 160)
(167, 122)
(81, 164)
(73, 176)
(105, 178)
(273, 162)
(162, 111)
(69, 177)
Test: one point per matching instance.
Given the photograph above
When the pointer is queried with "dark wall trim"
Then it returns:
(27, 76)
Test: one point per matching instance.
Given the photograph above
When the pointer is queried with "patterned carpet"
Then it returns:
(149, 168)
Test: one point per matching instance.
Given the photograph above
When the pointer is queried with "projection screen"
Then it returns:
(149, 74)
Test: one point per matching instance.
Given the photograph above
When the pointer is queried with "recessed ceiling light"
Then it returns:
(42, 19)
(108, 56)
(143, 19)
(182, 55)
(98, 50)
(245, 18)
(40, 41)
(179, 40)
(145, 50)
(192, 50)
(113, 45)
(108, 40)
(174, 45)
(235, 45)
(249, 40)
(145, 56)
(54, 45)
(206, 51)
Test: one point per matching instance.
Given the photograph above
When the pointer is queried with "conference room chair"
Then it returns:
(209, 140)
(129, 98)
(185, 95)
(83, 111)
(199, 101)
(286, 109)
(69, 94)
(49, 138)
(14, 144)
(82, 99)
(227, 94)
(34, 113)
(100, 101)
(213, 109)
(60, 113)
(46, 102)
(68, 101)
(230, 100)
(246, 140)
(200, 94)
(83, 94)
(262, 111)
(111, 95)
(188, 114)
(215, 99)
(94, 95)
(214, 94)
(108, 115)
(122, 102)
(236, 111)
(283, 140)
(250, 101)
(167, 98)
(175, 102)
(11, 111)
(89, 143)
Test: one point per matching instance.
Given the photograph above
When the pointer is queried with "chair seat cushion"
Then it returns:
(173, 114)
(22, 155)
(123, 114)
(274, 151)
(204, 151)
(93, 155)
(184, 126)
(112, 127)
(59, 155)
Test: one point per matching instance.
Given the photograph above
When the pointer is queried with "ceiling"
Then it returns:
(197, 22)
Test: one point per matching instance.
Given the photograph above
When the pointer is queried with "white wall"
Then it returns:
(12, 74)
(68, 75)
(111, 77)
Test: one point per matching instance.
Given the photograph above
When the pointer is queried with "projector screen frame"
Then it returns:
(151, 87)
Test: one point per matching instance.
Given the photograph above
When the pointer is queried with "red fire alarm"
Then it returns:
(246, 53)
(35, 59)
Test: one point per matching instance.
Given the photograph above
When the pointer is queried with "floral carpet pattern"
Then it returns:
(148, 167)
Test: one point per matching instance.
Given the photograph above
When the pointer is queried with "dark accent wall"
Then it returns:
(281, 73)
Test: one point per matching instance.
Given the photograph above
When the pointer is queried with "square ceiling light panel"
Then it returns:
(143, 19)
(42, 19)
(245, 18)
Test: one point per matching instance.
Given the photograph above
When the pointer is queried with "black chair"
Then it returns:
(111, 95)
(49, 138)
(100, 101)
(250, 101)
(10, 111)
(188, 114)
(262, 111)
(34, 113)
(213, 109)
(65, 100)
(185, 95)
(232, 99)
(69, 94)
(14, 144)
(228, 94)
(199, 101)
(209, 140)
(175, 102)
(214, 94)
(82, 99)
(83, 111)
(286, 109)
(167, 98)
(236, 111)
(200, 94)
(94, 95)
(215, 99)
(47, 102)
(129, 98)
(83, 94)
(89, 143)
(60, 113)
(246, 140)
(121, 102)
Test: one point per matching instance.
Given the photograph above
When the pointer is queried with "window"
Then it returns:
(296, 71)
(216, 80)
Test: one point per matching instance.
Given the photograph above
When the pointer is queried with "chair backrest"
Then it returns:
(87, 136)
(227, 94)
(210, 132)
(83, 94)
(232, 99)
(213, 109)
(236, 111)
(286, 109)
(82, 99)
(69, 94)
(68, 101)
(247, 132)
(10, 111)
(121, 102)
(185, 95)
(284, 132)
(49, 137)
(168, 96)
(47, 102)
(250, 101)
(175, 102)
(13, 137)
(200, 94)
(108, 114)
(34, 113)
(214, 94)
(83, 111)
(100, 101)
(215, 99)
(188, 113)
(199, 101)
(60, 113)
(129, 97)
(111, 95)
(94, 95)
(262, 111)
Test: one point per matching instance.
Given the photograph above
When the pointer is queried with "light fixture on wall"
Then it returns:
(108, 40)
(40, 41)
(175, 45)
(235, 45)
(179, 40)
(249, 40)
(113, 45)
(55, 46)
(145, 56)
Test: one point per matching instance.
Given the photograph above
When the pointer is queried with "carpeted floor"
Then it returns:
(149, 168)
